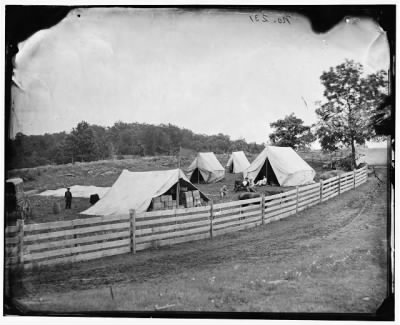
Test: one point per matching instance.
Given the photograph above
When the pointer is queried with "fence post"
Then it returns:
(132, 219)
(354, 178)
(339, 184)
(297, 199)
(20, 227)
(320, 190)
(262, 208)
(211, 218)
(74, 236)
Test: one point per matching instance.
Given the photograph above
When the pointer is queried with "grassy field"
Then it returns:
(331, 258)
(104, 173)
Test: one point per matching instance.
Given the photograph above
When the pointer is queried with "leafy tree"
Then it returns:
(81, 143)
(239, 145)
(291, 132)
(102, 143)
(344, 119)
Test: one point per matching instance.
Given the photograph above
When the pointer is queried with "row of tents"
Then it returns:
(135, 190)
(280, 165)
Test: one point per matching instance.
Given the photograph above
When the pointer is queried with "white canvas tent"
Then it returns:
(237, 162)
(280, 165)
(135, 190)
(205, 168)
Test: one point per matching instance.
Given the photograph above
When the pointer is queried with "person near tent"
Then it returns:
(247, 184)
(250, 187)
(262, 182)
(251, 182)
(68, 199)
(223, 191)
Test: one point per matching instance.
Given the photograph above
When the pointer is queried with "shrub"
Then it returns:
(345, 163)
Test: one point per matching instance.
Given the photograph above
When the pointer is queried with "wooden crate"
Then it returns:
(158, 205)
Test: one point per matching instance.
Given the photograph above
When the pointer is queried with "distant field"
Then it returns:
(105, 173)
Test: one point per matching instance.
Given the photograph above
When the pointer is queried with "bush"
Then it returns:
(345, 163)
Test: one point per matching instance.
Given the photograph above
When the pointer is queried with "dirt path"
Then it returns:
(330, 258)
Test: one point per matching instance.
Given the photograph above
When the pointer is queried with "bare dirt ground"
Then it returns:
(331, 258)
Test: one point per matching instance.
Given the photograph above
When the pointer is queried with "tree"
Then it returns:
(291, 132)
(81, 143)
(102, 141)
(344, 119)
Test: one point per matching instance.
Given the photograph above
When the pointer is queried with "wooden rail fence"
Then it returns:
(30, 245)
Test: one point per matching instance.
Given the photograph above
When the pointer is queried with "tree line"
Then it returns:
(88, 142)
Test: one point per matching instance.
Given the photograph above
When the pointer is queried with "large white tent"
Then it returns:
(237, 162)
(135, 190)
(280, 165)
(205, 168)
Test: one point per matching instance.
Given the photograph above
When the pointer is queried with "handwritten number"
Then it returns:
(264, 18)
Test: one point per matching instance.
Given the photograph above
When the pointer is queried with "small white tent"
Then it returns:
(280, 165)
(237, 162)
(134, 190)
(205, 168)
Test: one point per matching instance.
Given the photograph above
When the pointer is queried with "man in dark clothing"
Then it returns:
(68, 199)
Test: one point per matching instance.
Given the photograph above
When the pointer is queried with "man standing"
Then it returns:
(68, 199)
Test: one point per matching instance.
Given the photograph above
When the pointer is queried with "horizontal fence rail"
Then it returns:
(236, 215)
(95, 237)
(167, 227)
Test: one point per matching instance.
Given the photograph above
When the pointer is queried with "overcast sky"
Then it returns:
(207, 71)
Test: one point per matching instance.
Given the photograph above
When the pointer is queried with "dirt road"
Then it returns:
(329, 258)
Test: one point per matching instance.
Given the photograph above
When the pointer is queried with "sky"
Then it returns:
(208, 71)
